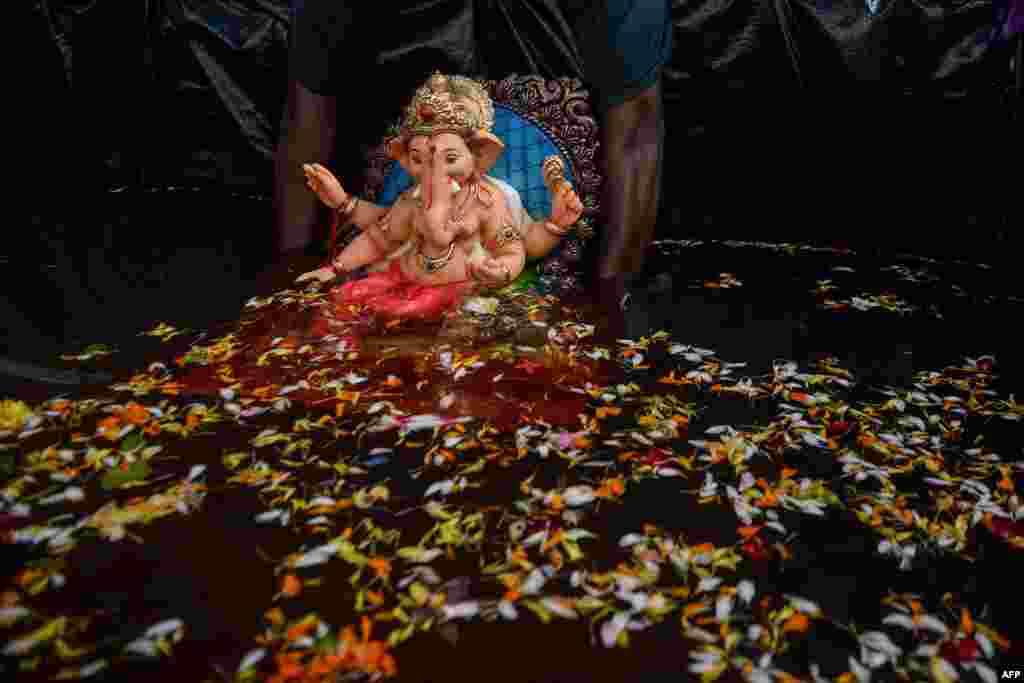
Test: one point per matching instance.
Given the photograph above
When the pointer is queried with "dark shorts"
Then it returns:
(624, 44)
(352, 50)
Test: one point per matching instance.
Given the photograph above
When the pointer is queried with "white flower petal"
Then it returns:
(873, 660)
(92, 668)
(637, 601)
(252, 659)
(708, 583)
(985, 644)
(462, 610)
(611, 629)
(862, 673)
(700, 634)
(899, 620)
(268, 516)
(706, 656)
(985, 673)
(876, 640)
(303, 642)
(723, 607)
(703, 667)
(316, 556)
(803, 605)
(165, 628)
(508, 610)
(144, 647)
(556, 606)
(575, 496)
(933, 624)
(943, 670)
(630, 540)
(442, 487)
(534, 582)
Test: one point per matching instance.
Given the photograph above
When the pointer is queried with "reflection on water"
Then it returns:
(496, 358)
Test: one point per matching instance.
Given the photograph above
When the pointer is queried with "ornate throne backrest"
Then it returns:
(535, 118)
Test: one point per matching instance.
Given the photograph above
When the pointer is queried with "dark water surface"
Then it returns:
(218, 570)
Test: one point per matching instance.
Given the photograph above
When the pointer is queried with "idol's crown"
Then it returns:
(455, 104)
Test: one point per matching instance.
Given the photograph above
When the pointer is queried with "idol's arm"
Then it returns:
(507, 254)
(511, 259)
(366, 215)
(541, 237)
(387, 233)
(566, 208)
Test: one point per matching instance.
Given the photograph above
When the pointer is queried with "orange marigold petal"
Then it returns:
(135, 414)
(798, 622)
(694, 608)
(291, 586)
(380, 565)
(110, 423)
(966, 623)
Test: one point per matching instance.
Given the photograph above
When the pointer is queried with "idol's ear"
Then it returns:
(487, 147)
(399, 151)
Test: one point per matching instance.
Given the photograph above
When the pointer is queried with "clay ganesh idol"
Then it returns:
(457, 230)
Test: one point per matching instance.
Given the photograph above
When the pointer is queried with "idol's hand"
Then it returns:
(325, 185)
(320, 275)
(566, 207)
(490, 272)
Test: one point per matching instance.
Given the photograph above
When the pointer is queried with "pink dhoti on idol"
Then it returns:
(393, 294)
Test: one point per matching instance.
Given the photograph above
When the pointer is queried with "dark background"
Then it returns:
(149, 129)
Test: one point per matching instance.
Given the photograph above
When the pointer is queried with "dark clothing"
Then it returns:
(372, 60)
(361, 53)
(624, 44)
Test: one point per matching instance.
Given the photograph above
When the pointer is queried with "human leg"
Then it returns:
(626, 43)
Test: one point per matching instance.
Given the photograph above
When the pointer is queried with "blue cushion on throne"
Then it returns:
(526, 146)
